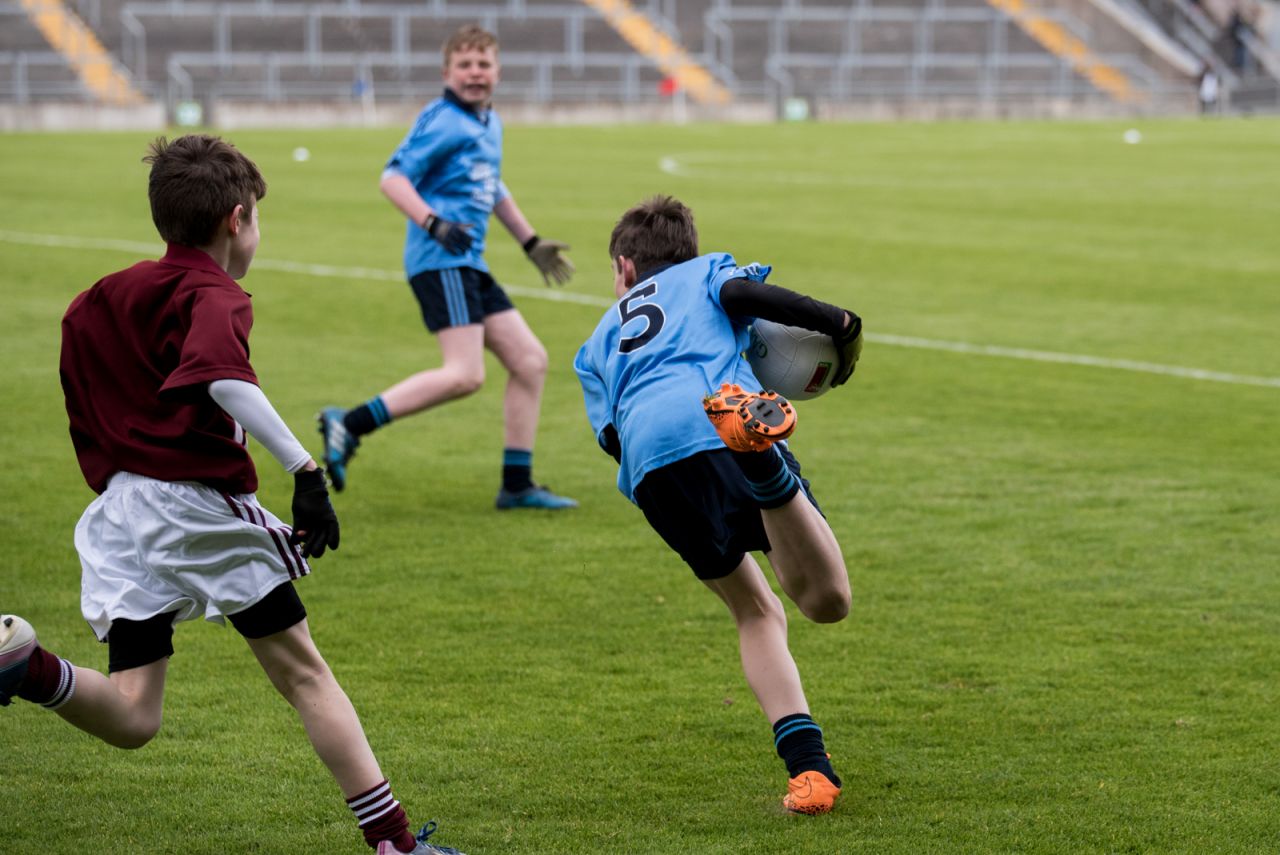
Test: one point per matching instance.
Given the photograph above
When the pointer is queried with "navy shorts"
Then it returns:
(457, 297)
(703, 508)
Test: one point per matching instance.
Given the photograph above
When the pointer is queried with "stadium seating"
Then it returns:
(764, 51)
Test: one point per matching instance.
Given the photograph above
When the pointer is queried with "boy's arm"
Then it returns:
(248, 405)
(597, 402)
(545, 254)
(315, 524)
(455, 237)
(745, 297)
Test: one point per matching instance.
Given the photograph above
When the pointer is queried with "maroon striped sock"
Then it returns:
(381, 817)
(50, 681)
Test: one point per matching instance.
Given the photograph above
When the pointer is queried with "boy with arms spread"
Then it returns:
(664, 382)
(160, 394)
(446, 178)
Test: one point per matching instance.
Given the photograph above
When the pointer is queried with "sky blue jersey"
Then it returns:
(654, 355)
(453, 156)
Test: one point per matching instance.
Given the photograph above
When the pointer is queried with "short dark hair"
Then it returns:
(659, 230)
(467, 37)
(196, 180)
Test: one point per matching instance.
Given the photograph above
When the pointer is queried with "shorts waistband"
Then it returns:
(124, 479)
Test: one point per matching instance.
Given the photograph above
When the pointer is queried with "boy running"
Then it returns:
(160, 394)
(664, 383)
(446, 179)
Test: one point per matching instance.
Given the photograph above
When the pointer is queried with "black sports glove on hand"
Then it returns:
(610, 443)
(545, 255)
(454, 237)
(849, 346)
(315, 525)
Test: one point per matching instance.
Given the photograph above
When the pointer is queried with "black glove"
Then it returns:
(454, 237)
(610, 443)
(849, 346)
(315, 525)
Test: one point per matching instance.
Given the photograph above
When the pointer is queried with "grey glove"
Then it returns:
(545, 255)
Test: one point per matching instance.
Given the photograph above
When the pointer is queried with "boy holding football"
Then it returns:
(665, 388)
(446, 179)
(160, 394)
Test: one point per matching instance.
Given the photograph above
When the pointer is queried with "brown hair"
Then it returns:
(467, 37)
(659, 230)
(195, 181)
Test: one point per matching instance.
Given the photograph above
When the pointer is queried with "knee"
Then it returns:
(830, 607)
(465, 382)
(765, 609)
(297, 682)
(136, 733)
(531, 364)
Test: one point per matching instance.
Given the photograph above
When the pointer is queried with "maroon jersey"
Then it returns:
(139, 350)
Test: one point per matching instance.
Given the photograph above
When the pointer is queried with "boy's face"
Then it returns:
(472, 74)
(244, 240)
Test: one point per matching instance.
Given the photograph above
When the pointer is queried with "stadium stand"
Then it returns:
(28, 68)
(962, 57)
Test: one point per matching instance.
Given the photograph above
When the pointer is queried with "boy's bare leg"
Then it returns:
(807, 561)
(774, 679)
(508, 335)
(124, 709)
(461, 374)
(297, 670)
(762, 639)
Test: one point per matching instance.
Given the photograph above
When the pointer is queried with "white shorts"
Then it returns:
(148, 547)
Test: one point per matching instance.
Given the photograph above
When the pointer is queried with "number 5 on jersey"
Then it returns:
(632, 307)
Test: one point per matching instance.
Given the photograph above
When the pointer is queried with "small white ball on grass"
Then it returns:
(1133, 136)
(301, 154)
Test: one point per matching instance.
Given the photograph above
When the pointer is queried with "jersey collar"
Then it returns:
(178, 255)
(653, 271)
(480, 113)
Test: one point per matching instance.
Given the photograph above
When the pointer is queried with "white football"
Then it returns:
(794, 362)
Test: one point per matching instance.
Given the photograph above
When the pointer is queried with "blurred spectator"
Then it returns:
(1238, 30)
(1208, 90)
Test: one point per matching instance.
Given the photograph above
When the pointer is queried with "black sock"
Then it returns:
(367, 417)
(517, 469)
(798, 740)
(771, 481)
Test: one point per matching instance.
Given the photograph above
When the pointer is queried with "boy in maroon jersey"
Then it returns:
(160, 394)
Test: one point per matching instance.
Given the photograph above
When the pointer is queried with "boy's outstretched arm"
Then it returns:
(748, 298)
(315, 523)
(545, 254)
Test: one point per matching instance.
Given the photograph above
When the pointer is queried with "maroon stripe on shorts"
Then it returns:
(231, 503)
(296, 551)
(254, 515)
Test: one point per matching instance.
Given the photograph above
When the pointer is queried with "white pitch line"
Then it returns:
(329, 271)
(1077, 359)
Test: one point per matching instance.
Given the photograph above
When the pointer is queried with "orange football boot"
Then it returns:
(811, 793)
(748, 422)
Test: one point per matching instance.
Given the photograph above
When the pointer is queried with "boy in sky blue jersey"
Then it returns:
(663, 378)
(446, 179)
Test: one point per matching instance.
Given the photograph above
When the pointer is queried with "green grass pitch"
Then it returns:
(1065, 633)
